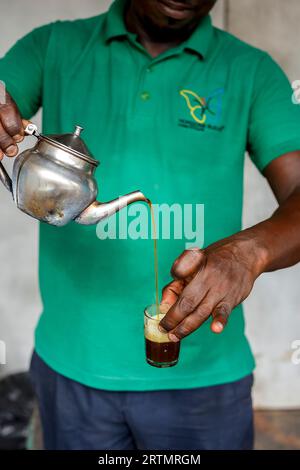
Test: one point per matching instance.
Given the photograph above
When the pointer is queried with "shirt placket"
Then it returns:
(146, 94)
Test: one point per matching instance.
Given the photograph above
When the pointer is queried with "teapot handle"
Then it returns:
(30, 129)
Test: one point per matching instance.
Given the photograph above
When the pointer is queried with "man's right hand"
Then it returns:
(11, 128)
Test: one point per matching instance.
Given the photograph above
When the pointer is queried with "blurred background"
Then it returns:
(272, 311)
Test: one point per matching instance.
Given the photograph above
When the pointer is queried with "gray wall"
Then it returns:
(272, 311)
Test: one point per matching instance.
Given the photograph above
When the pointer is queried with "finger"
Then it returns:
(1, 155)
(188, 301)
(188, 264)
(20, 138)
(11, 119)
(220, 317)
(191, 322)
(7, 144)
(171, 292)
(25, 123)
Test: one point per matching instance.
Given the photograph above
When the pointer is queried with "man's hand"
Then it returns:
(11, 128)
(210, 282)
(213, 281)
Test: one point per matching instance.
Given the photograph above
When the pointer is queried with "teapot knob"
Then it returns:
(78, 130)
(31, 129)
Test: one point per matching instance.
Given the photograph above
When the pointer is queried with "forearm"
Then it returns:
(275, 243)
(224, 272)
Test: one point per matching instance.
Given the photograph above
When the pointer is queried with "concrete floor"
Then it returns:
(277, 430)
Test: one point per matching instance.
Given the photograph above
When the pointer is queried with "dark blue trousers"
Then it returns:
(75, 416)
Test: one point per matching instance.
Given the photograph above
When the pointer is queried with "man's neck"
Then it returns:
(154, 42)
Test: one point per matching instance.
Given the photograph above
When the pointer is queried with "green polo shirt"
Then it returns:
(176, 127)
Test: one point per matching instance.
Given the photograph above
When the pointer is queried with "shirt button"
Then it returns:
(149, 69)
(145, 95)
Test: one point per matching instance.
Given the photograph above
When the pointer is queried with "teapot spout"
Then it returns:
(100, 210)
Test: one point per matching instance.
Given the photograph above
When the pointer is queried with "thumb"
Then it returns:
(188, 264)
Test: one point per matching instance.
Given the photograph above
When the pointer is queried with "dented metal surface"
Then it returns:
(54, 181)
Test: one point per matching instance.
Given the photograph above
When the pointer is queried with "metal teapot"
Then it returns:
(54, 181)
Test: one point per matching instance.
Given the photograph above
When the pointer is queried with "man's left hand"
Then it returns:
(209, 282)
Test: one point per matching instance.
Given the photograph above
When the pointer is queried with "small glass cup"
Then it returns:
(160, 351)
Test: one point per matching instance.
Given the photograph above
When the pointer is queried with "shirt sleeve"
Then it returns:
(21, 70)
(274, 121)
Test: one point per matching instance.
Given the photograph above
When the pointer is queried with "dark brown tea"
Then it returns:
(160, 351)
(162, 354)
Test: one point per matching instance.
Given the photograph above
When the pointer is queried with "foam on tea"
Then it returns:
(152, 332)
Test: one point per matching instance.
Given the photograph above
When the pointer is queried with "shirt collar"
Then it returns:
(115, 24)
(199, 41)
(201, 38)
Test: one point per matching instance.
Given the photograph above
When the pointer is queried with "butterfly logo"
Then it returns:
(200, 107)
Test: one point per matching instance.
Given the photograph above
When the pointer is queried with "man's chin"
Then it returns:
(174, 12)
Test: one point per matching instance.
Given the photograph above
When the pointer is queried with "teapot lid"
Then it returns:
(72, 143)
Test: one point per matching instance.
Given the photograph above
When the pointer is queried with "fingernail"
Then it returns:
(218, 326)
(173, 338)
(18, 138)
(11, 150)
(164, 307)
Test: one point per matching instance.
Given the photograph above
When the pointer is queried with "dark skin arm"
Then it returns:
(211, 282)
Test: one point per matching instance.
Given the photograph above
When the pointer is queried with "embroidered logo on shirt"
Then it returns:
(204, 111)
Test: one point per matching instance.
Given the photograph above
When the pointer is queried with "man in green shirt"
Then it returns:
(169, 104)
